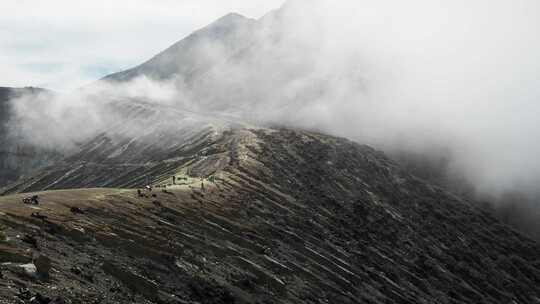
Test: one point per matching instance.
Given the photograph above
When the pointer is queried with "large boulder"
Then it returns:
(43, 265)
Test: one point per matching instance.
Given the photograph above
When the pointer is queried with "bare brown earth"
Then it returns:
(290, 217)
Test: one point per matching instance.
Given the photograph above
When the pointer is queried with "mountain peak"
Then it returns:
(229, 19)
(232, 16)
(190, 55)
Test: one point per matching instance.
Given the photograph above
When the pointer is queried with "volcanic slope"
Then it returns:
(196, 53)
(146, 142)
(265, 216)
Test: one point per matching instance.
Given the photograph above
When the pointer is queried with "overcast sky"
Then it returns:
(64, 44)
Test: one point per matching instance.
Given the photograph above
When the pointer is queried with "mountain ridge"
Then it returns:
(271, 216)
(170, 205)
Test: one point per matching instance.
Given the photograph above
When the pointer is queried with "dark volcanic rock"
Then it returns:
(292, 217)
(255, 215)
(133, 281)
(43, 265)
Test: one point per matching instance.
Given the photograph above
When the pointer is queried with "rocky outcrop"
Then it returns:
(134, 282)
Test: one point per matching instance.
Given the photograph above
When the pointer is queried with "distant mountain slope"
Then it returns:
(271, 74)
(5, 94)
(196, 53)
(149, 141)
(237, 63)
(17, 157)
(283, 217)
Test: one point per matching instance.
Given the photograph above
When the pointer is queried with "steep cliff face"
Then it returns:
(265, 216)
(17, 158)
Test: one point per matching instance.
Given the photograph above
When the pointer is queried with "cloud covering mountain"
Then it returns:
(458, 80)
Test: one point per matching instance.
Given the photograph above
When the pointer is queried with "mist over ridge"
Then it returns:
(426, 77)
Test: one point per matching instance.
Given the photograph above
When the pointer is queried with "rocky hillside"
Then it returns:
(171, 205)
(260, 216)
(146, 144)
